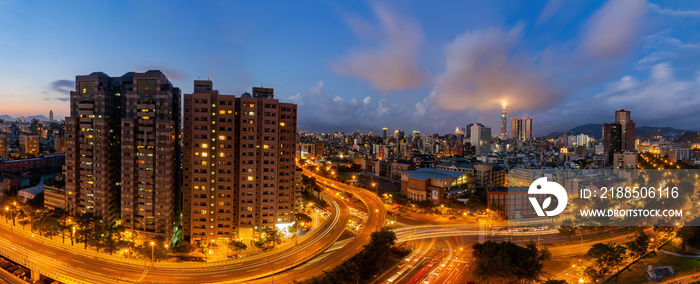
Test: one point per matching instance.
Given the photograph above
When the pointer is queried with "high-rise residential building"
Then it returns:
(51, 116)
(396, 134)
(521, 128)
(384, 133)
(239, 168)
(480, 138)
(92, 168)
(59, 143)
(29, 144)
(122, 150)
(504, 122)
(150, 154)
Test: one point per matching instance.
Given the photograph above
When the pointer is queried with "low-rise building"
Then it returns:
(30, 192)
(54, 197)
(431, 184)
(625, 160)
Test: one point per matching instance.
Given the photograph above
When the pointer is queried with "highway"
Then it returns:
(375, 220)
(71, 263)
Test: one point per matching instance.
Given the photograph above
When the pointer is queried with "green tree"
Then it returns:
(235, 247)
(686, 233)
(639, 245)
(272, 237)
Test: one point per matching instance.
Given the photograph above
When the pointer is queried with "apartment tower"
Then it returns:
(150, 154)
(239, 168)
(123, 150)
(92, 147)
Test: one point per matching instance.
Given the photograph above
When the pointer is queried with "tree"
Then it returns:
(555, 281)
(301, 217)
(508, 262)
(272, 237)
(567, 229)
(639, 245)
(686, 233)
(606, 256)
(35, 179)
(235, 247)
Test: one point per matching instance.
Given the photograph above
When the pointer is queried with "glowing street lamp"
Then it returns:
(152, 258)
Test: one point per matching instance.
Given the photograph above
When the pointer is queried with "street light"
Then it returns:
(152, 258)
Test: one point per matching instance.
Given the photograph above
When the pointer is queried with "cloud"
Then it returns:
(316, 91)
(391, 64)
(614, 29)
(662, 46)
(485, 68)
(674, 12)
(62, 86)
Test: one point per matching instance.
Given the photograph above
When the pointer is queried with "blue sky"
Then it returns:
(420, 65)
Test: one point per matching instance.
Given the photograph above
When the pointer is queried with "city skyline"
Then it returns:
(375, 65)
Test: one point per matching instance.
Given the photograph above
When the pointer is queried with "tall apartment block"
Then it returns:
(150, 154)
(239, 168)
(122, 150)
(92, 147)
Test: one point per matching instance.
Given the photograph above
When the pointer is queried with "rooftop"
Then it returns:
(431, 173)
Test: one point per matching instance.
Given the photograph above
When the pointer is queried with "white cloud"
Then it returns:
(367, 100)
(674, 12)
(316, 91)
(392, 63)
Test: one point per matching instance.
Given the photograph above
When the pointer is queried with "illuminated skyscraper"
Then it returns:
(521, 128)
(504, 122)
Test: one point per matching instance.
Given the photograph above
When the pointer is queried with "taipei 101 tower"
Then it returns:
(504, 121)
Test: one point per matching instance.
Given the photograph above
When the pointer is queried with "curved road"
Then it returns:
(92, 270)
(375, 220)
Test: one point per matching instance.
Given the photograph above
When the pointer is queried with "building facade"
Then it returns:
(239, 168)
(29, 144)
(150, 154)
(122, 150)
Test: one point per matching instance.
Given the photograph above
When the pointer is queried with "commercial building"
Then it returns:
(480, 138)
(504, 122)
(521, 128)
(618, 136)
(625, 160)
(29, 144)
(239, 170)
(431, 184)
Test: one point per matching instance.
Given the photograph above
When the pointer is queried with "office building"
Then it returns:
(384, 133)
(618, 136)
(51, 116)
(521, 128)
(504, 122)
(239, 170)
(480, 138)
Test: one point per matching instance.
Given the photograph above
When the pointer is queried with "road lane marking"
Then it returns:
(182, 277)
(78, 261)
(50, 252)
(113, 270)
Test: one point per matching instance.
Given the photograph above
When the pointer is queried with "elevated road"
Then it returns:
(70, 265)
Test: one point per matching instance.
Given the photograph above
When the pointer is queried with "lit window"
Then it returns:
(204, 154)
(204, 145)
(281, 123)
(250, 178)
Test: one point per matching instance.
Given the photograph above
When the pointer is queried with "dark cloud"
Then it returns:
(62, 86)
(614, 29)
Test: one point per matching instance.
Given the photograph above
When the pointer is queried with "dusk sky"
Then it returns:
(421, 65)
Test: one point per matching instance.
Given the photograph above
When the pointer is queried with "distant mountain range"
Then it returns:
(596, 131)
(6, 117)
